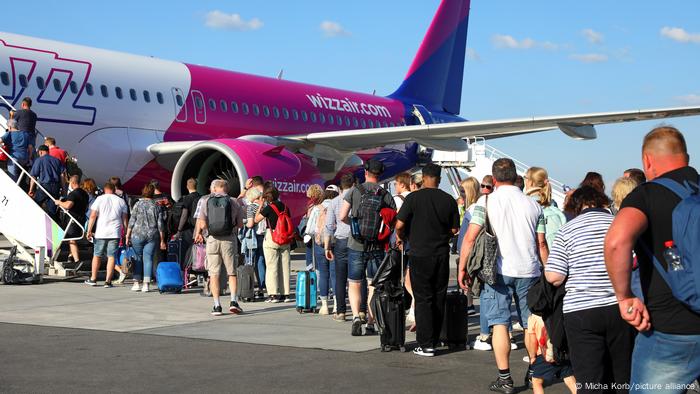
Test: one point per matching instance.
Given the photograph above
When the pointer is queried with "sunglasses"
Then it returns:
(489, 187)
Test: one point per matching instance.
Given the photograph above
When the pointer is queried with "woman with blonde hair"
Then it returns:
(315, 254)
(622, 187)
(538, 187)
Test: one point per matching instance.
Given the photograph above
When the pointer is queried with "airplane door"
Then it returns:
(200, 110)
(179, 103)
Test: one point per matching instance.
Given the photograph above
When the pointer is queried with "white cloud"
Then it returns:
(221, 20)
(333, 29)
(590, 57)
(689, 99)
(680, 35)
(473, 55)
(593, 36)
(509, 42)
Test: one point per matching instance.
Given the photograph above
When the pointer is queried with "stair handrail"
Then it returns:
(558, 186)
(36, 182)
(12, 108)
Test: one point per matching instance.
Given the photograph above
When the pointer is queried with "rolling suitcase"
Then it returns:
(176, 251)
(245, 282)
(454, 324)
(306, 289)
(169, 277)
(390, 310)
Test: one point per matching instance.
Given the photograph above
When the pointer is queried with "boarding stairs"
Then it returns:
(477, 162)
(27, 226)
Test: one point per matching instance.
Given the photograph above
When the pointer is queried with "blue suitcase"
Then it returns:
(169, 277)
(306, 292)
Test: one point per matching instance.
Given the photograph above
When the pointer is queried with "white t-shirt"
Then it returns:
(110, 209)
(399, 201)
(516, 219)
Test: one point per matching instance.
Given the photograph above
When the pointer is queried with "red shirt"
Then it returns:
(58, 153)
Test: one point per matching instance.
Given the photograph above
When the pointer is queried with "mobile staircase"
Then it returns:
(27, 226)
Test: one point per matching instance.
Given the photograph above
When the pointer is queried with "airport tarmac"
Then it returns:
(64, 336)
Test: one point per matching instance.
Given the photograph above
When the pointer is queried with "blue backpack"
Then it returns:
(685, 284)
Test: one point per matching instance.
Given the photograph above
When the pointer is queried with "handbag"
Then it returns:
(488, 243)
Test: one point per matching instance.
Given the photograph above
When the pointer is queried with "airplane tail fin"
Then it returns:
(435, 77)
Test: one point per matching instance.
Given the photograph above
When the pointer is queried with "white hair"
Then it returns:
(219, 183)
(12, 124)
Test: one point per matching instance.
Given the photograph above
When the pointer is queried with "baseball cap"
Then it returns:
(333, 188)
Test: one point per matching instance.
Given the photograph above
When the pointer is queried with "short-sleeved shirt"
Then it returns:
(353, 197)
(58, 153)
(79, 198)
(47, 169)
(334, 226)
(110, 210)
(434, 213)
(577, 253)
(146, 222)
(18, 142)
(668, 315)
(516, 219)
(26, 120)
(237, 210)
(270, 215)
(190, 202)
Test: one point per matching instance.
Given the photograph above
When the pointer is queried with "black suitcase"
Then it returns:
(392, 332)
(177, 251)
(245, 283)
(454, 324)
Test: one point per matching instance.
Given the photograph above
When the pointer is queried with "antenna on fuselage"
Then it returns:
(374, 92)
(279, 76)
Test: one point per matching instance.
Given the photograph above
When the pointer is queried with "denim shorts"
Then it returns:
(363, 265)
(108, 245)
(548, 372)
(497, 299)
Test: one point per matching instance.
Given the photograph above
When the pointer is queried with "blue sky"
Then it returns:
(527, 58)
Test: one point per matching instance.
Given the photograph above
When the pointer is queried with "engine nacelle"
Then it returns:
(236, 160)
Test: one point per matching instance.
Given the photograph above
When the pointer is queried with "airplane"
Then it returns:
(142, 118)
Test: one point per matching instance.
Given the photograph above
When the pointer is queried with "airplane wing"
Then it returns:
(449, 136)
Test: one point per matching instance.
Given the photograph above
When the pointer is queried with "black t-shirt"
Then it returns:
(668, 315)
(26, 120)
(433, 214)
(270, 215)
(80, 198)
(189, 202)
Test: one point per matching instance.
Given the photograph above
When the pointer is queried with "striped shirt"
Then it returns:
(334, 226)
(577, 252)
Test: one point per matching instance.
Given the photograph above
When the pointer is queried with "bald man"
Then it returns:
(667, 348)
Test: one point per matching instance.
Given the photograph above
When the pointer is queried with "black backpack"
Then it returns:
(368, 220)
(219, 216)
(174, 215)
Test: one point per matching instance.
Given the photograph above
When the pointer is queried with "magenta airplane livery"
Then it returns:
(142, 118)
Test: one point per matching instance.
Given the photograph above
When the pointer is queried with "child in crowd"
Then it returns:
(544, 367)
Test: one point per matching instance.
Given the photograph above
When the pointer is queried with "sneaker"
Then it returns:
(136, 287)
(235, 308)
(339, 317)
(363, 317)
(324, 309)
(289, 298)
(356, 329)
(427, 352)
(503, 386)
(122, 277)
(216, 311)
(270, 299)
(513, 345)
(526, 359)
(144, 288)
(277, 299)
(471, 310)
(481, 343)
(90, 282)
(108, 285)
(517, 327)
(370, 329)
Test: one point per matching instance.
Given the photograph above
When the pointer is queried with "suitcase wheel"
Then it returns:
(300, 310)
(386, 348)
(402, 349)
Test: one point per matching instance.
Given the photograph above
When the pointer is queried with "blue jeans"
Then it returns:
(497, 299)
(483, 319)
(363, 265)
(13, 170)
(325, 270)
(40, 197)
(259, 261)
(664, 363)
(340, 252)
(144, 257)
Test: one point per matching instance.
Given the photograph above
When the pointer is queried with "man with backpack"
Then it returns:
(181, 220)
(660, 220)
(218, 218)
(361, 210)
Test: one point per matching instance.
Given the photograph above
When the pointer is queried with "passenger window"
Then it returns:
(223, 105)
(73, 87)
(104, 90)
(23, 80)
(364, 124)
(355, 123)
(198, 102)
(256, 110)
(146, 96)
(132, 94)
(246, 111)
(391, 124)
(159, 97)
(347, 121)
(331, 119)
(322, 118)
(40, 83)
(212, 104)
(313, 117)
(285, 113)
(89, 90)
(5, 78)
(276, 112)
(178, 100)
(304, 116)
(234, 107)
(295, 114)
(266, 111)
(57, 85)
(339, 120)
(118, 92)
(371, 124)
(386, 124)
